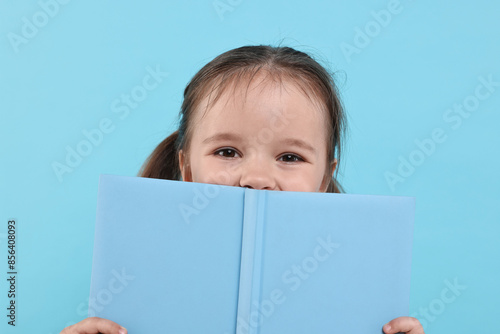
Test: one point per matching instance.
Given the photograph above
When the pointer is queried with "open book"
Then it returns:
(183, 257)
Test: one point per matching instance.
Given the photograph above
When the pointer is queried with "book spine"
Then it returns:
(248, 316)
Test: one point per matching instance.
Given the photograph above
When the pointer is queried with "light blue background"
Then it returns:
(396, 90)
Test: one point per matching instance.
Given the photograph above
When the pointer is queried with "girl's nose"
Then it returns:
(257, 175)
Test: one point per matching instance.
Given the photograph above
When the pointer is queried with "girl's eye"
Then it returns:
(226, 153)
(291, 158)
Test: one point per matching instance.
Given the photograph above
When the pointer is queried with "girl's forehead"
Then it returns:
(262, 90)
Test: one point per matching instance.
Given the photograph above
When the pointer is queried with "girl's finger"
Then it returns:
(407, 325)
(95, 325)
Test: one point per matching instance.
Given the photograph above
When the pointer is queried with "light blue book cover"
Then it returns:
(182, 257)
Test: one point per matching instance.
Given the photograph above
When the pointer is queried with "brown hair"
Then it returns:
(244, 62)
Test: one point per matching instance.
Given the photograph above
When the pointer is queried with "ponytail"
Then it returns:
(163, 163)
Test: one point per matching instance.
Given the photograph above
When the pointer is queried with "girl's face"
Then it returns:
(270, 137)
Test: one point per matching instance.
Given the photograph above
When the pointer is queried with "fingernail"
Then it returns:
(122, 330)
(387, 328)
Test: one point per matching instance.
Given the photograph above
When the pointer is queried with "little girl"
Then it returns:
(259, 117)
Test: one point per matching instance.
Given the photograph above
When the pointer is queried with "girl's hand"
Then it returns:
(95, 325)
(407, 325)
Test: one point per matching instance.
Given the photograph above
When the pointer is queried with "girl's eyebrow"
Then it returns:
(223, 136)
(299, 143)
